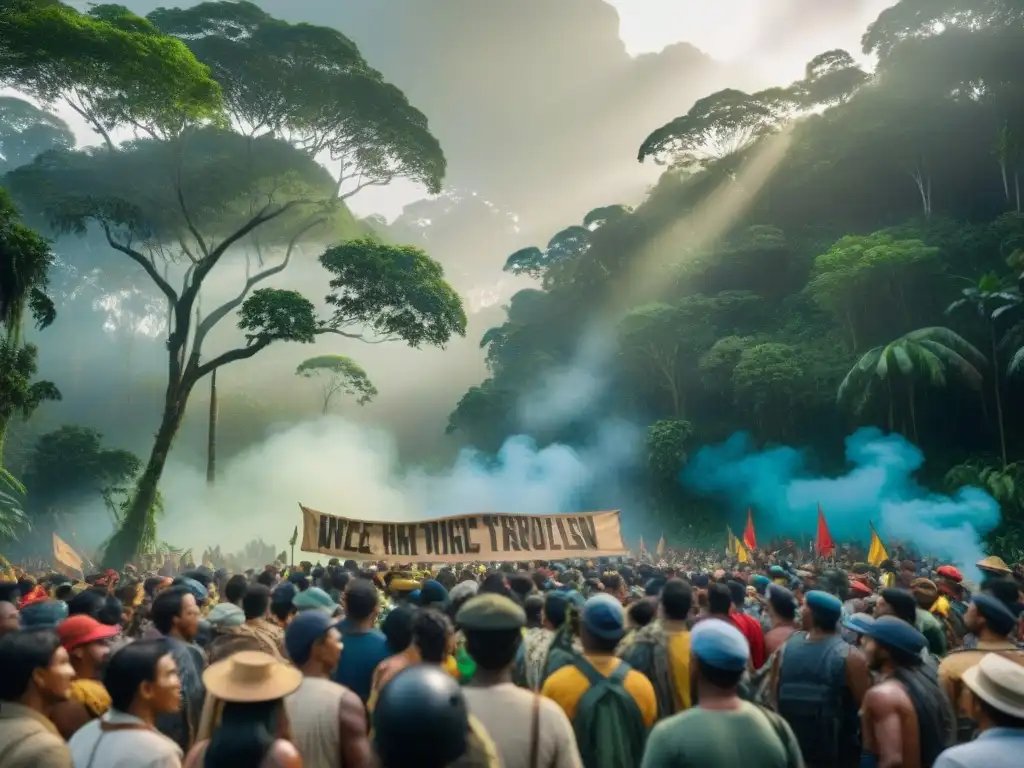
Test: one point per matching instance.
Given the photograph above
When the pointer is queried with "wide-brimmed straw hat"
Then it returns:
(251, 676)
(998, 682)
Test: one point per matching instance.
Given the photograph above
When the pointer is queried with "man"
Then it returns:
(902, 604)
(36, 675)
(781, 607)
(328, 721)
(432, 640)
(143, 683)
(992, 567)
(992, 622)
(906, 720)
(661, 650)
(9, 619)
(256, 606)
(87, 642)
(722, 731)
(996, 688)
(747, 625)
(820, 681)
(365, 645)
(527, 729)
(926, 593)
(950, 607)
(175, 616)
(533, 651)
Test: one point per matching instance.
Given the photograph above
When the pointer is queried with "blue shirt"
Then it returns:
(362, 650)
(994, 748)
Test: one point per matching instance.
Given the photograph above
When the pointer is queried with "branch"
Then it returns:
(363, 185)
(188, 219)
(357, 336)
(221, 312)
(145, 263)
(234, 355)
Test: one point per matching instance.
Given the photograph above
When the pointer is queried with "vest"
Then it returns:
(313, 714)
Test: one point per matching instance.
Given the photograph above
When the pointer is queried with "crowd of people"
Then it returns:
(687, 662)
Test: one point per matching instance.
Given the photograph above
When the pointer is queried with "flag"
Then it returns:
(876, 554)
(741, 552)
(661, 546)
(735, 547)
(823, 544)
(730, 541)
(67, 561)
(295, 536)
(749, 537)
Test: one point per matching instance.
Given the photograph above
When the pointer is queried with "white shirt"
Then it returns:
(142, 747)
(994, 748)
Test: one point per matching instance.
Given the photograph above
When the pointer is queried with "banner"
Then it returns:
(66, 560)
(465, 538)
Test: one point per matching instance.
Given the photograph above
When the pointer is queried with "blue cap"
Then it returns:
(283, 593)
(603, 617)
(824, 605)
(777, 570)
(46, 613)
(303, 631)
(720, 645)
(896, 633)
(433, 592)
(314, 598)
(997, 614)
(760, 582)
(198, 591)
(859, 623)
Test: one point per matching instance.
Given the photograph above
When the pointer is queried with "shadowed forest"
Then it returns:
(792, 259)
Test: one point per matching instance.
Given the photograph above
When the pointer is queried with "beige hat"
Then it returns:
(998, 682)
(993, 563)
(251, 676)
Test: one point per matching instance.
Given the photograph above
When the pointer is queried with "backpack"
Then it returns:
(560, 653)
(609, 726)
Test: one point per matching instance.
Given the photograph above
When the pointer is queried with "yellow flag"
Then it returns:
(876, 554)
(730, 541)
(741, 552)
(661, 546)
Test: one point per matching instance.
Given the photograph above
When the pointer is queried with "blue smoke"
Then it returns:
(879, 488)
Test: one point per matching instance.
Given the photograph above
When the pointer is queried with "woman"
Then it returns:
(253, 730)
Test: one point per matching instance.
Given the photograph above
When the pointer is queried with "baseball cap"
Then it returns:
(604, 617)
(82, 629)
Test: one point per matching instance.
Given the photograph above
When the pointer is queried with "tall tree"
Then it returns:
(338, 374)
(194, 190)
(27, 131)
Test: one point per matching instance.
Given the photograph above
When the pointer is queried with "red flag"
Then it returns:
(749, 537)
(824, 545)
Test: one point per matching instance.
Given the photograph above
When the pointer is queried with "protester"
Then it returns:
(721, 731)
(661, 651)
(533, 650)
(432, 640)
(992, 622)
(365, 646)
(782, 613)
(10, 620)
(252, 727)
(328, 721)
(906, 719)
(820, 682)
(87, 642)
(748, 625)
(996, 687)
(143, 682)
(36, 675)
(528, 730)
(926, 593)
(175, 616)
(256, 605)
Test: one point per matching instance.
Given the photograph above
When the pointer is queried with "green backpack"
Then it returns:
(609, 726)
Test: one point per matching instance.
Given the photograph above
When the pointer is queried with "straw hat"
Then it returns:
(998, 682)
(994, 563)
(251, 676)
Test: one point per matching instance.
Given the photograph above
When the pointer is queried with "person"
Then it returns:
(328, 721)
(432, 638)
(992, 622)
(906, 719)
(722, 730)
(748, 625)
(661, 651)
(87, 642)
(143, 682)
(256, 605)
(528, 730)
(175, 616)
(782, 608)
(253, 729)
(365, 645)
(533, 651)
(10, 621)
(422, 720)
(37, 674)
(996, 689)
(227, 632)
(819, 683)
(561, 614)
(632, 706)
(907, 605)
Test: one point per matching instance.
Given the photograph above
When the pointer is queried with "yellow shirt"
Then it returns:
(679, 661)
(567, 686)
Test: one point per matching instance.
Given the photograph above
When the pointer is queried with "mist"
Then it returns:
(784, 493)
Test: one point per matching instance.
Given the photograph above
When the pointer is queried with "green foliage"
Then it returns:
(13, 520)
(393, 292)
(667, 447)
(338, 373)
(25, 260)
(110, 66)
(272, 314)
(27, 132)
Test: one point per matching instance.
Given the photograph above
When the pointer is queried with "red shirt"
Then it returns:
(751, 629)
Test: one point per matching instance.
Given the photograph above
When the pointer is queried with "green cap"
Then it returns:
(490, 612)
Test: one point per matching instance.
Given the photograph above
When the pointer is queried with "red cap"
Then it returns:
(860, 586)
(950, 572)
(82, 630)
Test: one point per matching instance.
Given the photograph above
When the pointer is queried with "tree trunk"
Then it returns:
(1005, 177)
(998, 394)
(211, 440)
(124, 544)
